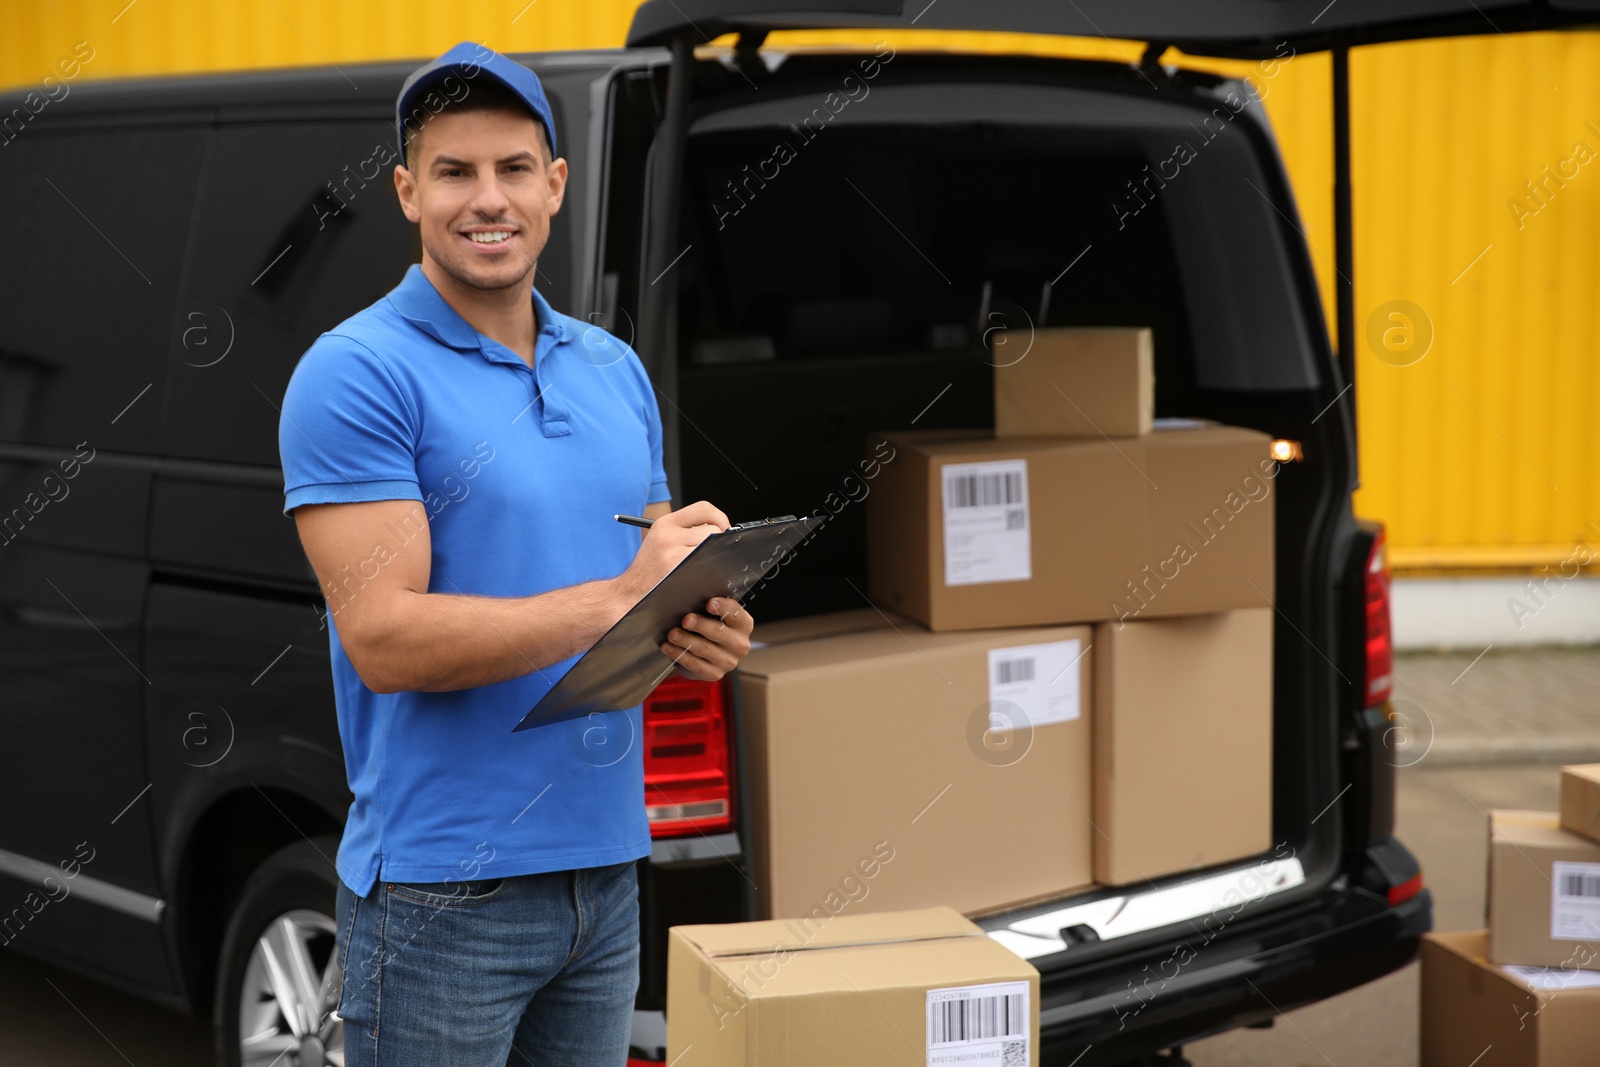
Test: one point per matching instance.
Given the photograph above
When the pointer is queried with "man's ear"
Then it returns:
(405, 188)
(556, 175)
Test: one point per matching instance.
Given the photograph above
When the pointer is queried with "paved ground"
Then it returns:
(1487, 731)
(1441, 820)
(1517, 707)
(1536, 704)
(50, 1017)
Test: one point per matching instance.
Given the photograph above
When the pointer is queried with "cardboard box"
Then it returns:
(856, 990)
(1182, 743)
(1475, 1013)
(1544, 892)
(877, 783)
(1580, 800)
(1078, 383)
(965, 530)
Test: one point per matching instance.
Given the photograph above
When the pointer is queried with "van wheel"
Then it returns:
(278, 978)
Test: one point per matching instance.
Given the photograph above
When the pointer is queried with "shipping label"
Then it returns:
(1042, 680)
(1575, 901)
(986, 532)
(985, 1025)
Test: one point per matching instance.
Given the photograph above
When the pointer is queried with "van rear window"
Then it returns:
(887, 229)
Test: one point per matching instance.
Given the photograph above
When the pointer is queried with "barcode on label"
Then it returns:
(1007, 671)
(978, 1019)
(1580, 884)
(983, 490)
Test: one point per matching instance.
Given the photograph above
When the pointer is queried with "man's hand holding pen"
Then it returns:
(707, 646)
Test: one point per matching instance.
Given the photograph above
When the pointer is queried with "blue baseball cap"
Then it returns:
(465, 62)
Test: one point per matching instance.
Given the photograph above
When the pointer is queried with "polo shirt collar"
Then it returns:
(420, 304)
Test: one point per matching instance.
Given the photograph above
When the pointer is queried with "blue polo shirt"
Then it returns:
(521, 470)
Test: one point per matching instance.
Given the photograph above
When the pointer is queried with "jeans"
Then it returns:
(534, 969)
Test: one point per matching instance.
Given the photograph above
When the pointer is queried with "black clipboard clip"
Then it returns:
(627, 662)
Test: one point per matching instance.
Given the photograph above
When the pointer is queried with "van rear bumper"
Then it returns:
(1342, 938)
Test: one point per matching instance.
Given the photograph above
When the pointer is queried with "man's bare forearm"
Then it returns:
(435, 642)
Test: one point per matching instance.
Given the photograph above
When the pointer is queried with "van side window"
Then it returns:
(297, 229)
(96, 222)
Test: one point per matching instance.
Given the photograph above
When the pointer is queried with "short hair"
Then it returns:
(482, 95)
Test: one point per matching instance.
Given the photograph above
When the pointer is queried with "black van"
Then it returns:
(173, 785)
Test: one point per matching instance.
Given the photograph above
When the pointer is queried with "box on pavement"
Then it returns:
(896, 768)
(966, 530)
(1480, 1014)
(897, 987)
(1182, 743)
(1078, 382)
(1544, 892)
(1580, 800)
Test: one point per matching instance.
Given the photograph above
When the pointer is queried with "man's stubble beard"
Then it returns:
(454, 268)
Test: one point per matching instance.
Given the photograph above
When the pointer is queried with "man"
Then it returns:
(453, 456)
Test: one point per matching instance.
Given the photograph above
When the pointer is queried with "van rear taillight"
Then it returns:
(1380, 643)
(1399, 894)
(688, 779)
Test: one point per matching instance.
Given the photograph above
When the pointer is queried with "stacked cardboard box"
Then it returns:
(856, 990)
(1544, 892)
(1477, 1013)
(1070, 647)
(1079, 507)
(1580, 800)
(1083, 508)
(892, 767)
(1182, 743)
(1526, 991)
(968, 530)
(1078, 383)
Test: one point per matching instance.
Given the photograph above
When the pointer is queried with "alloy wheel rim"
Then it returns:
(289, 993)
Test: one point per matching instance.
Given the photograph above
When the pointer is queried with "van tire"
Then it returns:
(286, 907)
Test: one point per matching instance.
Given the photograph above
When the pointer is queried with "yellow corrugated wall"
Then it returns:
(1484, 451)
(1480, 454)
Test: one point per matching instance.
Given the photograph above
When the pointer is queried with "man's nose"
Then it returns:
(489, 197)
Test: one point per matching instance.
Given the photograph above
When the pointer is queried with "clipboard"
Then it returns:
(621, 668)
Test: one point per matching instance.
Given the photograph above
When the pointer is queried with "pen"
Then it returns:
(634, 520)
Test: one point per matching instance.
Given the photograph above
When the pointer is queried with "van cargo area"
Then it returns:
(866, 271)
(843, 298)
(931, 195)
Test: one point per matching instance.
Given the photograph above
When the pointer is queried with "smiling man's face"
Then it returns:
(483, 196)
